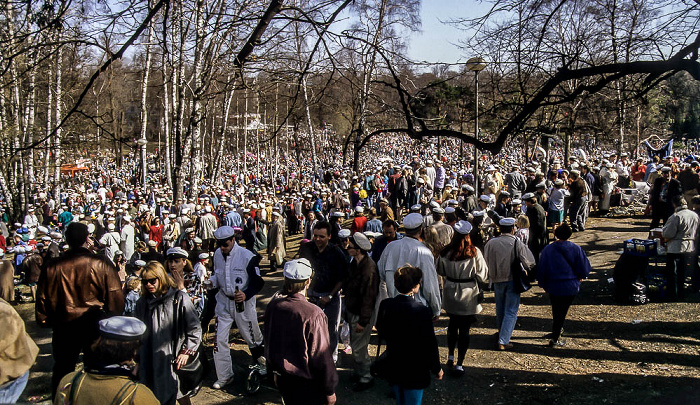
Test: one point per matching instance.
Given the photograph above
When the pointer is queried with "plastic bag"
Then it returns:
(345, 333)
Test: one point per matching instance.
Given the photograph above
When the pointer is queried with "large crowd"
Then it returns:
(128, 274)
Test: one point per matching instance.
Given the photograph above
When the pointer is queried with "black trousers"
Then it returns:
(209, 309)
(458, 335)
(300, 391)
(560, 307)
(69, 340)
(677, 266)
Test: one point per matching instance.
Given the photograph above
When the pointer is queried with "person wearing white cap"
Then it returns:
(127, 238)
(360, 220)
(664, 190)
(276, 245)
(109, 380)
(444, 231)
(411, 250)
(73, 293)
(538, 224)
(622, 167)
(233, 219)
(430, 173)
(174, 335)
(463, 267)
(608, 177)
(31, 221)
(237, 276)
(110, 240)
(171, 232)
(555, 204)
(361, 289)
(579, 193)
(298, 349)
(499, 253)
(200, 269)
(515, 181)
(205, 229)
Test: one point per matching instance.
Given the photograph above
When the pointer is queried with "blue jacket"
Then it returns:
(562, 264)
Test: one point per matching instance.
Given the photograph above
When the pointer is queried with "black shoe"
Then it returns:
(450, 364)
(354, 378)
(362, 386)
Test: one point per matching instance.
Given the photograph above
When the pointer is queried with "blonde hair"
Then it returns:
(431, 239)
(522, 222)
(133, 283)
(154, 269)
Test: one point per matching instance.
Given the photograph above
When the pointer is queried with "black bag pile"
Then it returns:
(629, 279)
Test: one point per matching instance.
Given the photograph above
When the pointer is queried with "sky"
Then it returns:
(437, 41)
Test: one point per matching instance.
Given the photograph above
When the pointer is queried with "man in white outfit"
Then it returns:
(411, 250)
(128, 236)
(237, 276)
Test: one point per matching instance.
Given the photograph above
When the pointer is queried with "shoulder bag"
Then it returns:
(520, 276)
(191, 375)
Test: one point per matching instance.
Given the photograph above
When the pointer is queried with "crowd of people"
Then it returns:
(104, 246)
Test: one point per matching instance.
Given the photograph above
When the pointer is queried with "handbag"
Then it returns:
(520, 276)
(191, 375)
(380, 366)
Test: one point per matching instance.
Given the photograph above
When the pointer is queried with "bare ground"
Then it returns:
(607, 358)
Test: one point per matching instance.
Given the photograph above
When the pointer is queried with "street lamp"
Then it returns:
(476, 65)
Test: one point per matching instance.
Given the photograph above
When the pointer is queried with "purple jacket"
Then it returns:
(562, 264)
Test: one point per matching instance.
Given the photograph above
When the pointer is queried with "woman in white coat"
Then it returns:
(463, 266)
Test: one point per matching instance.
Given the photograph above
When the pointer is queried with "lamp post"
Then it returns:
(476, 65)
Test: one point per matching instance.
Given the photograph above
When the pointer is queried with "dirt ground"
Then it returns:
(647, 354)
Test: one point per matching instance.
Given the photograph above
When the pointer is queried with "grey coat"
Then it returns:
(163, 342)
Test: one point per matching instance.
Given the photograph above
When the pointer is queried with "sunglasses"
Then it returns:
(151, 281)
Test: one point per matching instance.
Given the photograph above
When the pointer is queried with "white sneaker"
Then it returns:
(219, 384)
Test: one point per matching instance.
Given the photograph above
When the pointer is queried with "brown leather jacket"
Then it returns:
(79, 285)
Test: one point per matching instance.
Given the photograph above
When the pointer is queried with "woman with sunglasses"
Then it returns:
(167, 346)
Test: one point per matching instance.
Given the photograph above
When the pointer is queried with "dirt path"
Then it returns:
(608, 358)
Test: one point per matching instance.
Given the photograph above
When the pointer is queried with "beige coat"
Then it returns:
(275, 241)
(7, 285)
(17, 350)
(460, 297)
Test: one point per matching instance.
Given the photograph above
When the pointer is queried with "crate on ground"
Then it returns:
(640, 247)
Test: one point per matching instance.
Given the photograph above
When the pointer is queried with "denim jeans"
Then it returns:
(407, 397)
(332, 311)
(507, 304)
(10, 391)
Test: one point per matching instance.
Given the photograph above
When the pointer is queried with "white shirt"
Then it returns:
(411, 251)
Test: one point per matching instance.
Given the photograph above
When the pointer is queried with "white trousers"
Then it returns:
(247, 322)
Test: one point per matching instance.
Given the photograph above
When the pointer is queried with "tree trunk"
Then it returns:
(57, 138)
(144, 109)
(197, 115)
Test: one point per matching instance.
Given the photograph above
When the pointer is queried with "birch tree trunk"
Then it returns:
(57, 139)
(196, 116)
(222, 135)
(144, 110)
